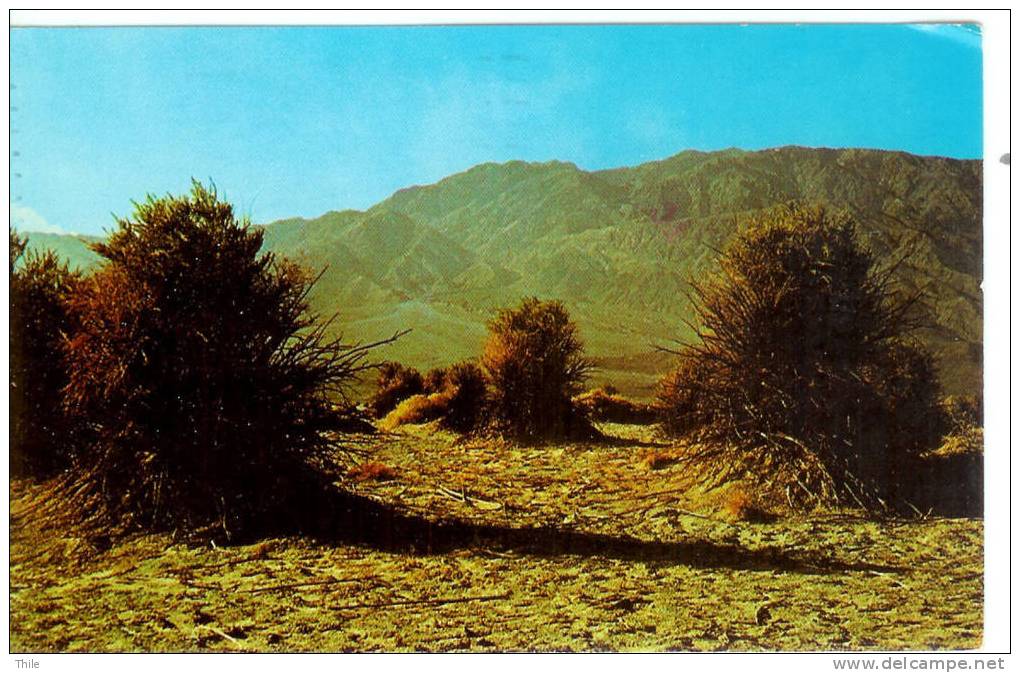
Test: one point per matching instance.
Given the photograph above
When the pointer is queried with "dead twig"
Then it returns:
(223, 634)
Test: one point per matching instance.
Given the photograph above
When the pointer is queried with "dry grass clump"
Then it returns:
(660, 458)
(395, 384)
(372, 471)
(739, 505)
(605, 405)
(415, 409)
(459, 404)
(803, 379)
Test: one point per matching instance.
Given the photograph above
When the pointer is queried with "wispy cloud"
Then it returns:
(967, 34)
(24, 218)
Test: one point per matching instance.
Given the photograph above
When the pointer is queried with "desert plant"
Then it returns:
(208, 384)
(434, 380)
(605, 405)
(42, 434)
(803, 376)
(415, 409)
(395, 383)
(465, 391)
(534, 362)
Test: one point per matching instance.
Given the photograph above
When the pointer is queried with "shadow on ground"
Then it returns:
(350, 518)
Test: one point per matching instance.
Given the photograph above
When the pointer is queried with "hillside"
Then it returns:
(618, 246)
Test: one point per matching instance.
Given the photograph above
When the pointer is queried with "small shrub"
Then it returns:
(465, 391)
(534, 362)
(372, 471)
(602, 405)
(395, 384)
(416, 409)
(434, 381)
(42, 434)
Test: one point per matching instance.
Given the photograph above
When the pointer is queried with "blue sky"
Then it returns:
(298, 121)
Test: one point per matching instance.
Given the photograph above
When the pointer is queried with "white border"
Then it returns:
(997, 286)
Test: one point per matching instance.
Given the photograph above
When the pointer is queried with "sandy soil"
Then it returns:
(573, 547)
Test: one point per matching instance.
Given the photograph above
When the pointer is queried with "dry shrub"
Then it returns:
(415, 409)
(658, 458)
(534, 362)
(434, 381)
(803, 378)
(207, 384)
(459, 405)
(42, 434)
(739, 505)
(395, 384)
(603, 405)
(372, 471)
(465, 391)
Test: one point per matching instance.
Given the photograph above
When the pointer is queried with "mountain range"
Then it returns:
(619, 247)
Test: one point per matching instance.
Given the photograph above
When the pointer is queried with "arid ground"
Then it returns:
(482, 546)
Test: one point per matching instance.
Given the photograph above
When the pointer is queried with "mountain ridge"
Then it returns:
(618, 246)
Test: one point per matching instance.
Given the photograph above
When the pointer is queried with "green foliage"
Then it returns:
(42, 435)
(207, 382)
(534, 362)
(803, 375)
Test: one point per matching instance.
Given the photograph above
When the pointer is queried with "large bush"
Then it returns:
(208, 384)
(803, 376)
(42, 435)
(534, 361)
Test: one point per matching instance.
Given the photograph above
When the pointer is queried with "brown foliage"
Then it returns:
(395, 384)
(434, 380)
(601, 404)
(803, 376)
(459, 405)
(372, 471)
(42, 435)
(207, 383)
(534, 361)
(465, 391)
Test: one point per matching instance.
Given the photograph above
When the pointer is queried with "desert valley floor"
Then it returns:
(578, 547)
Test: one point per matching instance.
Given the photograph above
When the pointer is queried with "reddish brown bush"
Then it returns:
(207, 384)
